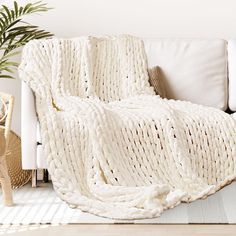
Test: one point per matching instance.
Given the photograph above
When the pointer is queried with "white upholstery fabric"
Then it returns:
(39, 138)
(232, 74)
(193, 70)
(41, 160)
(28, 129)
(32, 154)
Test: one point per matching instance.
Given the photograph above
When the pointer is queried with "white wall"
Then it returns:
(147, 18)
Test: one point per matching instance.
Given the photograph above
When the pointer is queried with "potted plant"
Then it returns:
(15, 33)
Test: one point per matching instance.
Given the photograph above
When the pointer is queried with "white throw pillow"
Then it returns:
(194, 70)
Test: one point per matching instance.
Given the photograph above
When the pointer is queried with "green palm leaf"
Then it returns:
(15, 33)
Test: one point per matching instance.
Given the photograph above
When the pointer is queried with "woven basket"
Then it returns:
(18, 176)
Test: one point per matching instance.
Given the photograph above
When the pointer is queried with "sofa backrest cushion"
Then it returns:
(194, 70)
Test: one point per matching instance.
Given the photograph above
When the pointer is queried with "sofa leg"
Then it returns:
(34, 178)
(45, 176)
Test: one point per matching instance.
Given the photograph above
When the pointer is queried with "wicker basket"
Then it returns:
(18, 176)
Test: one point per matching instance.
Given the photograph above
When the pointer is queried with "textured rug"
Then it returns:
(41, 206)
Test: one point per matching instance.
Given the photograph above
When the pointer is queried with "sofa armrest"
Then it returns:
(28, 128)
(232, 74)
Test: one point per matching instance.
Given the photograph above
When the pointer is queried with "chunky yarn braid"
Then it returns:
(113, 147)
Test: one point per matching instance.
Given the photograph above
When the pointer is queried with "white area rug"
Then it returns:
(41, 206)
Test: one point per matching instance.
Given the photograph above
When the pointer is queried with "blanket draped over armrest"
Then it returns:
(113, 147)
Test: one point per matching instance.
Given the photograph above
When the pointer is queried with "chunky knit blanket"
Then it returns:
(114, 148)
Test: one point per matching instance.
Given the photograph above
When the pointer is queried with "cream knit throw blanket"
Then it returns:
(113, 148)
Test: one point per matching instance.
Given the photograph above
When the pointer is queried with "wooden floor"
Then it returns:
(128, 230)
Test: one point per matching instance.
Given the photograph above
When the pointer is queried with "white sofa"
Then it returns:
(197, 70)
